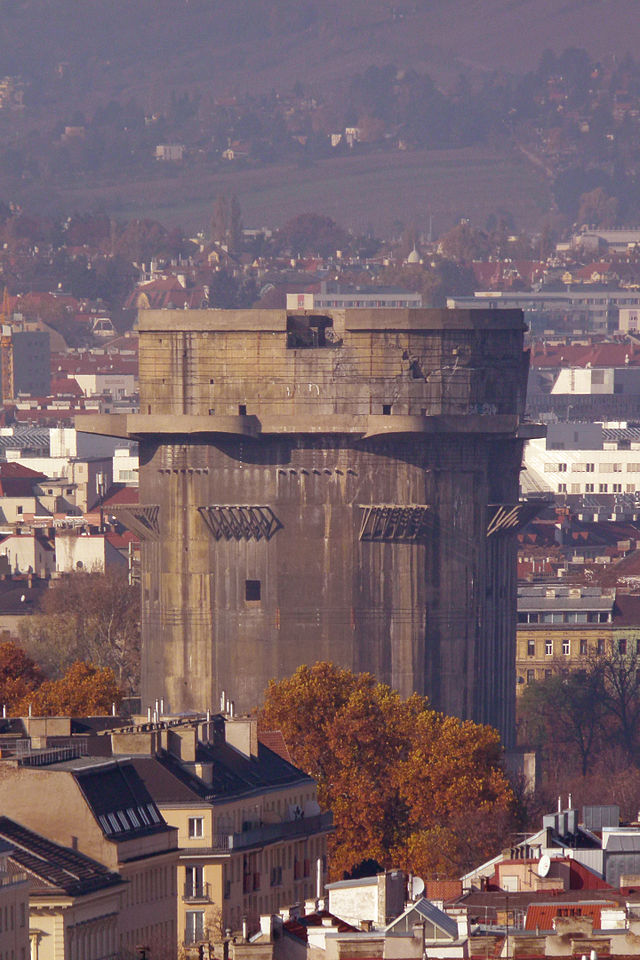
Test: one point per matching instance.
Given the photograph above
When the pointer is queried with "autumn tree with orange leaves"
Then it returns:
(84, 690)
(408, 787)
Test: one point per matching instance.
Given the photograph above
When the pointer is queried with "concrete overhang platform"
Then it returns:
(137, 425)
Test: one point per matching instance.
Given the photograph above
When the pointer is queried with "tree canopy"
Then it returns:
(88, 616)
(83, 690)
(408, 786)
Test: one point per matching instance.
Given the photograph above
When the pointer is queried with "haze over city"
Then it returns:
(319, 480)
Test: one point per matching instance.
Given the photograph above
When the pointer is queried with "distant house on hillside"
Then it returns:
(170, 152)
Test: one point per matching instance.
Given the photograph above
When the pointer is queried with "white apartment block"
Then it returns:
(585, 458)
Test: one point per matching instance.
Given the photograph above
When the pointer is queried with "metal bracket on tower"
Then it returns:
(511, 517)
(240, 522)
(392, 522)
(141, 519)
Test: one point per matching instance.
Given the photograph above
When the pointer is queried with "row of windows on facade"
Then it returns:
(9, 921)
(591, 488)
(622, 646)
(144, 886)
(566, 616)
(531, 675)
(11, 954)
(591, 468)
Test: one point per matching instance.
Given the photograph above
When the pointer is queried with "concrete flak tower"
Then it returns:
(340, 486)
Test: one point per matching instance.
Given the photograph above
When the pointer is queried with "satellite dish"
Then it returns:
(416, 887)
(544, 865)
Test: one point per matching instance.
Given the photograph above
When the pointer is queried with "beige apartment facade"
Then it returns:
(251, 834)
(102, 810)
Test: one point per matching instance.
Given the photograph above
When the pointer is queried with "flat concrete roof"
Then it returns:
(275, 321)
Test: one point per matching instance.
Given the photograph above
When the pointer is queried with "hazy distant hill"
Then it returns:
(75, 56)
(85, 51)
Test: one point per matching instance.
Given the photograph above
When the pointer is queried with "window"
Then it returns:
(622, 646)
(252, 590)
(590, 467)
(194, 931)
(547, 674)
(242, 410)
(566, 649)
(386, 409)
(589, 487)
(19, 509)
(196, 827)
(531, 675)
(603, 488)
(600, 647)
(276, 876)
(631, 488)
(548, 648)
(584, 648)
(531, 648)
(194, 882)
(617, 488)
(562, 488)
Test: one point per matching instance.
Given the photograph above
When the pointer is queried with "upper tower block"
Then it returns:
(349, 363)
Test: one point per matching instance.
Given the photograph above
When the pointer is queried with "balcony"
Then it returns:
(197, 893)
(273, 832)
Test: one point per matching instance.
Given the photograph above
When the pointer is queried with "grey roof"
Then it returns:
(428, 911)
(341, 884)
(119, 800)
(54, 865)
(31, 438)
(583, 604)
(623, 843)
(621, 433)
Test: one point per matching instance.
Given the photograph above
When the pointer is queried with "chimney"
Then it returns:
(266, 925)
(242, 734)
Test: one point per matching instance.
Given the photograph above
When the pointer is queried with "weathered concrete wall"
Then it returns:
(318, 429)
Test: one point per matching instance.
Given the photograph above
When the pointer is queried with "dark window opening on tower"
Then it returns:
(242, 410)
(312, 331)
(386, 409)
(252, 590)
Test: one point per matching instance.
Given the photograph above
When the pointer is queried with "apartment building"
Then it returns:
(250, 830)
(585, 458)
(14, 904)
(101, 808)
(564, 627)
(250, 833)
(64, 906)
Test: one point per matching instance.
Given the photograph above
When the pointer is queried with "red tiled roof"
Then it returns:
(298, 928)
(540, 916)
(274, 740)
(580, 355)
(443, 889)
(122, 540)
(66, 387)
(18, 481)
(122, 497)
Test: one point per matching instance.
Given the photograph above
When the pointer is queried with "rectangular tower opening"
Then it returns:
(252, 590)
